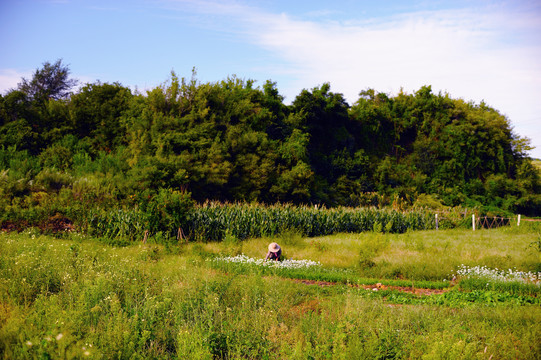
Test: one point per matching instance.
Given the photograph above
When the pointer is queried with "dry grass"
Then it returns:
(422, 255)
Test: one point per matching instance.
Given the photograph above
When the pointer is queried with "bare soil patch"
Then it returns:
(54, 224)
(57, 223)
(378, 286)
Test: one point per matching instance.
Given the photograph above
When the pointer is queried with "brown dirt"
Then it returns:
(53, 224)
(57, 223)
(9, 226)
(377, 287)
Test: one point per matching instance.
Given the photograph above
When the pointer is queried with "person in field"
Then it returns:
(275, 252)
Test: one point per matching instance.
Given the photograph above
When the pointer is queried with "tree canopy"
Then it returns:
(50, 82)
(234, 141)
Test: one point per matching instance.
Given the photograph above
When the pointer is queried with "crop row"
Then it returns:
(216, 221)
(243, 221)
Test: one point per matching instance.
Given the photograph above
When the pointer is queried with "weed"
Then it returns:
(319, 245)
(83, 298)
(536, 244)
(291, 237)
(373, 245)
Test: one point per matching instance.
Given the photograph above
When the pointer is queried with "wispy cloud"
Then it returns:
(9, 78)
(490, 53)
(447, 47)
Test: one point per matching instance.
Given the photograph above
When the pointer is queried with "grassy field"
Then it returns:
(75, 297)
(420, 255)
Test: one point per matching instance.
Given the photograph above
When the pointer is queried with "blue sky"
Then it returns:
(476, 50)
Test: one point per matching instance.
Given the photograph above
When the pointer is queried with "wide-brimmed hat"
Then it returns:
(274, 247)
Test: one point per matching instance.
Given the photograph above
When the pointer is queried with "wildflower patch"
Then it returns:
(285, 264)
(499, 275)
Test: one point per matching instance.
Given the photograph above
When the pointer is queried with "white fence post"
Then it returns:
(518, 221)
(437, 222)
(473, 222)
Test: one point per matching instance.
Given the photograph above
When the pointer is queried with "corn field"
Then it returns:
(117, 223)
(243, 221)
(214, 221)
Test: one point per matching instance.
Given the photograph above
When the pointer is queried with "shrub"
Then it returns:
(56, 156)
(167, 211)
(50, 179)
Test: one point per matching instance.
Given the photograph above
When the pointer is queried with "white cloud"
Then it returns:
(9, 78)
(486, 54)
(424, 48)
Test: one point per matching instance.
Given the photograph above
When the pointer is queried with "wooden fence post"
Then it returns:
(181, 236)
(518, 220)
(473, 222)
(145, 237)
(437, 222)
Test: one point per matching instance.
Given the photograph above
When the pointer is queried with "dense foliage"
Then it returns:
(106, 146)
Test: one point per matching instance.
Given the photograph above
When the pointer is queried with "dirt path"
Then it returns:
(377, 287)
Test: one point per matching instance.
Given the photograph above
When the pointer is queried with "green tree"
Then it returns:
(372, 114)
(323, 116)
(96, 112)
(50, 82)
(16, 114)
(38, 109)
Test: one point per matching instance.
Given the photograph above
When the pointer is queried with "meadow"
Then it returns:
(445, 294)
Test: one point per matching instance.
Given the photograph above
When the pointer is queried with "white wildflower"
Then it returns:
(286, 264)
(498, 275)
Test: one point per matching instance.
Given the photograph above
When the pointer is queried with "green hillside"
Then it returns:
(102, 146)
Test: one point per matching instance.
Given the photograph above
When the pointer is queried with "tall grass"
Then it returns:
(420, 255)
(74, 298)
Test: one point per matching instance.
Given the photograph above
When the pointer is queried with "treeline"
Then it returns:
(104, 145)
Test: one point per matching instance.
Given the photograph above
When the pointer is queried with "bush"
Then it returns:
(427, 201)
(167, 211)
(56, 156)
(52, 180)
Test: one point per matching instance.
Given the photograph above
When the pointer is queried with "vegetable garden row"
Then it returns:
(216, 221)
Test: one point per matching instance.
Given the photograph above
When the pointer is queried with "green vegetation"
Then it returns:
(79, 298)
(148, 158)
(537, 164)
(124, 216)
(416, 256)
(243, 221)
